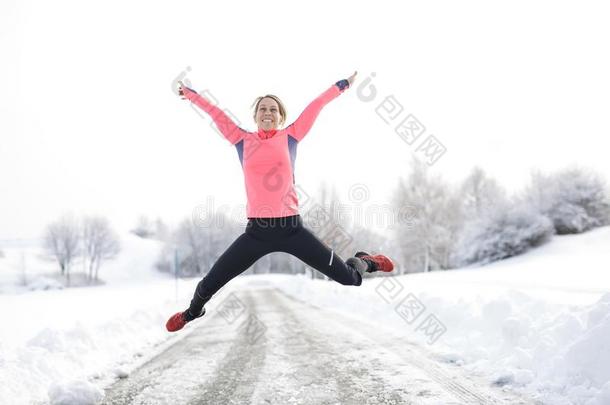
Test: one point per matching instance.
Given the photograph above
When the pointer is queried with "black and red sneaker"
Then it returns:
(376, 262)
(178, 320)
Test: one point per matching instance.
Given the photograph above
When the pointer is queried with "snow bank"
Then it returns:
(536, 323)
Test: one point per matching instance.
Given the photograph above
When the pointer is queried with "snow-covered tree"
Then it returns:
(278, 262)
(198, 247)
(575, 199)
(100, 243)
(162, 231)
(62, 241)
(338, 225)
(426, 239)
(324, 219)
(506, 230)
(478, 193)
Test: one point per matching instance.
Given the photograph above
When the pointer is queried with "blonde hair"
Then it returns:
(277, 100)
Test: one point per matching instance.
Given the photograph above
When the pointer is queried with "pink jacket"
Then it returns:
(268, 157)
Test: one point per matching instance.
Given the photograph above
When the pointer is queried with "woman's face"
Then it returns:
(268, 114)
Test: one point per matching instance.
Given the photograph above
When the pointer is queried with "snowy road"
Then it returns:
(259, 346)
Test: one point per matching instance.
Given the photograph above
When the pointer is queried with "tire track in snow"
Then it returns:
(322, 369)
(175, 375)
(237, 374)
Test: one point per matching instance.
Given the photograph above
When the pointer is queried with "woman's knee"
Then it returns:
(348, 276)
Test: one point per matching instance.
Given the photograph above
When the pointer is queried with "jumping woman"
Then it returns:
(267, 157)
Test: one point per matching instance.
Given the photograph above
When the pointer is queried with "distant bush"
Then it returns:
(575, 200)
(44, 283)
(144, 228)
(506, 231)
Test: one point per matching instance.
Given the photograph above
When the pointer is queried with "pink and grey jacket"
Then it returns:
(267, 157)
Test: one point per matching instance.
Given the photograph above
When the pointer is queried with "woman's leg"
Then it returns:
(307, 247)
(238, 257)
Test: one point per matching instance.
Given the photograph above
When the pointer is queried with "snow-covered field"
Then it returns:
(538, 323)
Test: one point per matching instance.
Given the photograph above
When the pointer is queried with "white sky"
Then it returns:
(89, 124)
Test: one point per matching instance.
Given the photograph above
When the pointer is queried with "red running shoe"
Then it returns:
(176, 322)
(377, 262)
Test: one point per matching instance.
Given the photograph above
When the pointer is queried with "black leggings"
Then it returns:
(263, 236)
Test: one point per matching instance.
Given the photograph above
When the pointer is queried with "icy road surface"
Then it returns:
(260, 346)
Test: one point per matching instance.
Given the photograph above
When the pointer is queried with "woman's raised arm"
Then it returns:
(303, 124)
(226, 126)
